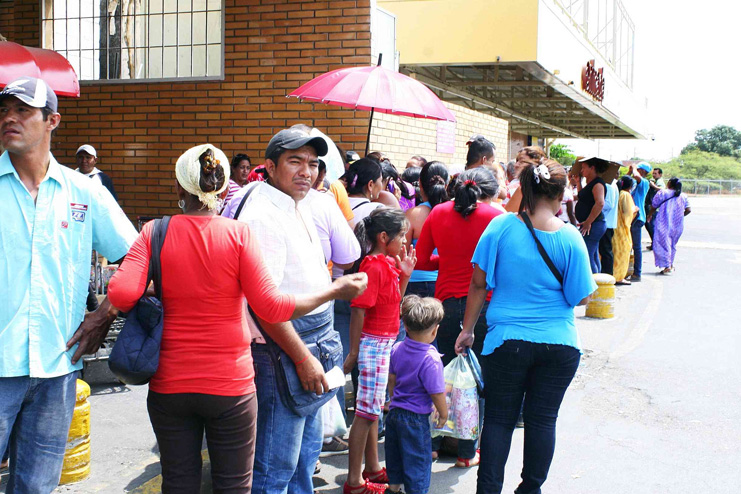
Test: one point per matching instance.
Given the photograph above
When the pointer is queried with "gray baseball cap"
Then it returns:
(294, 139)
(33, 92)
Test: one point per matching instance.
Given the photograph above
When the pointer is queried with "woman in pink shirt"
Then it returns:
(205, 379)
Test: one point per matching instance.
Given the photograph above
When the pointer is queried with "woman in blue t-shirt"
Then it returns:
(532, 347)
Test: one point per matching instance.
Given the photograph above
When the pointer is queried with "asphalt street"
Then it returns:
(655, 407)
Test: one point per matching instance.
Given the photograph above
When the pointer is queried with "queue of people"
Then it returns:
(270, 283)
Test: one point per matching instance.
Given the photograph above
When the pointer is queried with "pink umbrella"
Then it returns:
(375, 88)
(18, 61)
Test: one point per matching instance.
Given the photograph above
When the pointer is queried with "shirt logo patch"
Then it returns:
(65, 225)
(78, 216)
(78, 206)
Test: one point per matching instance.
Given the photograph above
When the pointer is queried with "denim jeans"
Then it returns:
(407, 447)
(542, 373)
(287, 446)
(607, 259)
(35, 414)
(421, 288)
(635, 233)
(450, 328)
(592, 240)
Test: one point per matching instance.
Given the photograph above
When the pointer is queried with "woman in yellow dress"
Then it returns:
(622, 241)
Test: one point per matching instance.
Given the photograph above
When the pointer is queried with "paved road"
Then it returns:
(655, 407)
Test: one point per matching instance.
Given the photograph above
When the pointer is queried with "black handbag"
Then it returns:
(135, 355)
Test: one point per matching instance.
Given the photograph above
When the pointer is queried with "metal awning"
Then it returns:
(534, 101)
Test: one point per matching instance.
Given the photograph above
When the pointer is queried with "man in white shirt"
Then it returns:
(288, 444)
(86, 158)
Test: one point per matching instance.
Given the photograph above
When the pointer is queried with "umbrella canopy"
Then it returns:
(375, 88)
(18, 61)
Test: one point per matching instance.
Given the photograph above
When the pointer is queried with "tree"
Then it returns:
(562, 154)
(722, 139)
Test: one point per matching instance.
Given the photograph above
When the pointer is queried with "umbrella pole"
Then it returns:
(370, 126)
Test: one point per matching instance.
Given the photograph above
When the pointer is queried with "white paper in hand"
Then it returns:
(335, 377)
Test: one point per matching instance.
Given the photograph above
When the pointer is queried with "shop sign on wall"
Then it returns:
(445, 137)
(593, 81)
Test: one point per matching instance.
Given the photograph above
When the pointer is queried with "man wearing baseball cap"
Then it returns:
(288, 442)
(52, 219)
(639, 173)
(87, 159)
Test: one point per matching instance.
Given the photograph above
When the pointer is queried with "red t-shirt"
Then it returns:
(209, 265)
(382, 299)
(455, 239)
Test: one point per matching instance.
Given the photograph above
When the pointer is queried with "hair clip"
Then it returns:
(354, 181)
(541, 171)
(470, 182)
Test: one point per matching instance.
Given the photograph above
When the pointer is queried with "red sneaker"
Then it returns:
(379, 477)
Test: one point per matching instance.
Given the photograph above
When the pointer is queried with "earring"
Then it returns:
(181, 204)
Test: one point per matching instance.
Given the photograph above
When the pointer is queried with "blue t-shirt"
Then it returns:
(419, 275)
(528, 302)
(639, 197)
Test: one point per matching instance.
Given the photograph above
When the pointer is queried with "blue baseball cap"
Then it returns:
(644, 166)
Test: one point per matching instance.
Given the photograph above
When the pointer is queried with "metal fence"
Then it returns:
(707, 187)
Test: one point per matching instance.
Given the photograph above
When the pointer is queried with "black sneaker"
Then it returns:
(635, 279)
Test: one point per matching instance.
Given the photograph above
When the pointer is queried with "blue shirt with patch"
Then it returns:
(45, 259)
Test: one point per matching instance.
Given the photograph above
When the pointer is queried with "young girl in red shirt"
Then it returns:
(374, 325)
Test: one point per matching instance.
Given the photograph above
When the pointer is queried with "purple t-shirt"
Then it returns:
(419, 374)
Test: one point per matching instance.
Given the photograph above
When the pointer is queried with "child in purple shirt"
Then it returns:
(415, 383)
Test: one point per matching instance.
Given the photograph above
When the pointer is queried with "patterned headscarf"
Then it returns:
(188, 173)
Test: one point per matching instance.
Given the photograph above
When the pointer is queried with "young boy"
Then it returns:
(415, 383)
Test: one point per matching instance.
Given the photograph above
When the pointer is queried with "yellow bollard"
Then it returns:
(602, 303)
(76, 465)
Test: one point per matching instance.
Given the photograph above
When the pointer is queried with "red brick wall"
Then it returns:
(271, 48)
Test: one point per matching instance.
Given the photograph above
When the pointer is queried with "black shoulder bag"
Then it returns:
(244, 200)
(541, 249)
(136, 354)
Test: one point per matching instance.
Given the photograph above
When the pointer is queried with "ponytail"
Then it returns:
(212, 172)
(473, 185)
(676, 185)
(433, 179)
(383, 219)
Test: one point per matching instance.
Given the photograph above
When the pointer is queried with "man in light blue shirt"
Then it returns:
(52, 219)
(610, 210)
(639, 173)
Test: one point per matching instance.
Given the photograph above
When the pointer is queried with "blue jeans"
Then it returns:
(541, 373)
(592, 240)
(407, 447)
(287, 446)
(35, 414)
(450, 328)
(342, 326)
(421, 288)
(635, 233)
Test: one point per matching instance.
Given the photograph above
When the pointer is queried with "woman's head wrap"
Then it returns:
(188, 173)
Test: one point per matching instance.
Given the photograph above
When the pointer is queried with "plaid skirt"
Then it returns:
(374, 357)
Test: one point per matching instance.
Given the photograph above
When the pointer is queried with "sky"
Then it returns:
(686, 64)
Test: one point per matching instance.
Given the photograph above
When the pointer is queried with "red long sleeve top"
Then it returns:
(209, 265)
(455, 238)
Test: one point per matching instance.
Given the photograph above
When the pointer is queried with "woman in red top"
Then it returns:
(454, 228)
(374, 324)
(205, 378)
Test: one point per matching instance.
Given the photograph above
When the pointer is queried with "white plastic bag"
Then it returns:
(462, 398)
(333, 422)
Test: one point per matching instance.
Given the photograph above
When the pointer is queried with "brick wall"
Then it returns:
(271, 47)
(403, 137)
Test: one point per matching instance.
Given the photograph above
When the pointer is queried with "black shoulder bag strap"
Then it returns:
(244, 200)
(541, 249)
(159, 231)
(360, 204)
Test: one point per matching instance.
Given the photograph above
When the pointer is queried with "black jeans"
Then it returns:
(541, 373)
(450, 328)
(230, 423)
(605, 251)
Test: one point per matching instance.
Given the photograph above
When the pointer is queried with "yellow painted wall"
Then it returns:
(464, 31)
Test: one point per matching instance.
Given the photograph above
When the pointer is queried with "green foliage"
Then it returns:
(722, 139)
(562, 154)
(701, 165)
